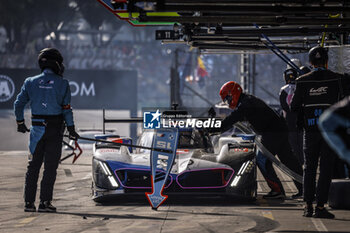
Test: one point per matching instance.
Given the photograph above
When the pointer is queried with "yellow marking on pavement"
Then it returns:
(25, 221)
(268, 214)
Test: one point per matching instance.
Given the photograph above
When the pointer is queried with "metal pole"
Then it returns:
(278, 52)
(103, 123)
(253, 74)
(245, 72)
(174, 85)
(178, 100)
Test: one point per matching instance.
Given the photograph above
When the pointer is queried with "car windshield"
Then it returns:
(189, 138)
(192, 138)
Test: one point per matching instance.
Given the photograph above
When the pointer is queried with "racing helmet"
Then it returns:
(318, 56)
(296, 61)
(230, 93)
(51, 58)
(290, 75)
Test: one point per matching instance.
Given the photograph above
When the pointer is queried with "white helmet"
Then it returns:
(296, 61)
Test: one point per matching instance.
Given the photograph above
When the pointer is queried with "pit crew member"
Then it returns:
(267, 123)
(314, 93)
(286, 93)
(49, 97)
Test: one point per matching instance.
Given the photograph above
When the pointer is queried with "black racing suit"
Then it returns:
(295, 134)
(314, 93)
(274, 134)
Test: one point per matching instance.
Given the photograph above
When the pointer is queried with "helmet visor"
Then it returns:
(228, 99)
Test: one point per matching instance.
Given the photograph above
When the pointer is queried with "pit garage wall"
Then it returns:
(339, 59)
(91, 89)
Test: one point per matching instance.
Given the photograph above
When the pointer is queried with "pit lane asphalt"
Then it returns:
(78, 213)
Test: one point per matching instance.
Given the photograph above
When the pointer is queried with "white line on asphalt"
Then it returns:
(88, 176)
(319, 225)
(259, 188)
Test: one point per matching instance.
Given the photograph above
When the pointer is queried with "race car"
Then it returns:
(118, 170)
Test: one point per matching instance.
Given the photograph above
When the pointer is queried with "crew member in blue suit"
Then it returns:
(49, 97)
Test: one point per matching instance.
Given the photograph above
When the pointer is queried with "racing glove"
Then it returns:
(211, 112)
(21, 127)
(72, 134)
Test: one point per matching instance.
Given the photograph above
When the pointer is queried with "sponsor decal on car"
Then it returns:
(161, 163)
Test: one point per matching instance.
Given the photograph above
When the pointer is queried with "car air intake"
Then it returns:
(137, 178)
(205, 178)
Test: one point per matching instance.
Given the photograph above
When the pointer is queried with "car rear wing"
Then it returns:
(120, 120)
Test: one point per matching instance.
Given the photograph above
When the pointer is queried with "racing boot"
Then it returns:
(46, 206)
(308, 211)
(321, 212)
(29, 207)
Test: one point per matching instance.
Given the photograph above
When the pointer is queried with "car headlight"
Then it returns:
(102, 175)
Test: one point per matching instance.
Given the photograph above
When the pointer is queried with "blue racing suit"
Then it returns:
(49, 97)
(48, 94)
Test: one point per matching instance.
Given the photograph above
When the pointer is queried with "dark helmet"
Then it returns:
(51, 58)
(290, 75)
(318, 56)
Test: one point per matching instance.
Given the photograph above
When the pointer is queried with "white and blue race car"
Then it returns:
(197, 170)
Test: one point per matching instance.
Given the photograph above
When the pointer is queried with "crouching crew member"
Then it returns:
(267, 123)
(314, 93)
(49, 97)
